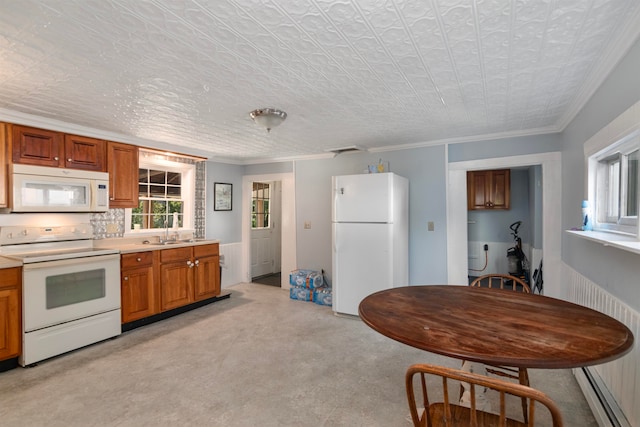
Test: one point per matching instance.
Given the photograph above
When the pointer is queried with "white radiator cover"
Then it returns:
(620, 378)
(231, 263)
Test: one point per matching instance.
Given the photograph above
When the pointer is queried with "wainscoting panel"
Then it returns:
(230, 261)
(621, 377)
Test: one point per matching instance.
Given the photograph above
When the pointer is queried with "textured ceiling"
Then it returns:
(372, 73)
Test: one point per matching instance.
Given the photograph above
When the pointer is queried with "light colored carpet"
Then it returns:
(257, 358)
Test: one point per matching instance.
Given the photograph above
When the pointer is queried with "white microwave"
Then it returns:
(44, 189)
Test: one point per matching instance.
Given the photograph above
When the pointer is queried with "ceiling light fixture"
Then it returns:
(268, 117)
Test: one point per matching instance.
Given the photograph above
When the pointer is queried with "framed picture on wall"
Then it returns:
(222, 193)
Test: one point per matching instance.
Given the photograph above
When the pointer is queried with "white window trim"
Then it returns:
(188, 187)
(615, 135)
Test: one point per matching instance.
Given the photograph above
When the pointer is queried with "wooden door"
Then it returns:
(477, 185)
(34, 146)
(501, 189)
(176, 277)
(84, 153)
(122, 165)
(4, 175)
(138, 296)
(207, 271)
(10, 312)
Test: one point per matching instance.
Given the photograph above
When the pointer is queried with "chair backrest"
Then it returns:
(502, 281)
(454, 414)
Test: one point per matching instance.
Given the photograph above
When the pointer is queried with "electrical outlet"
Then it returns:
(486, 247)
(430, 226)
(307, 225)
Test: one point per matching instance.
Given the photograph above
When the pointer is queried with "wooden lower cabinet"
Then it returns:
(207, 271)
(161, 280)
(176, 278)
(188, 274)
(138, 291)
(10, 312)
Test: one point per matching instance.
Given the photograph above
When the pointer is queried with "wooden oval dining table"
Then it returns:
(496, 326)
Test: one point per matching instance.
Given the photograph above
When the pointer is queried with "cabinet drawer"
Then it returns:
(10, 277)
(137, 259)
(177, 254)
(200, 251)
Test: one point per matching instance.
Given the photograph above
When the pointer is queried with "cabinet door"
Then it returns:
(10, 312)
(501, 189)
(477, 185)
(138, 294)
(84, 153)
(176, 284)
(122, 165)
(4, 180)
(207, 271)
(207, 280)
(33, 146)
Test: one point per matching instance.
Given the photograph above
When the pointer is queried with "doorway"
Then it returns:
(266, 238)
(285, 256)
(492, 233)
(457, 266)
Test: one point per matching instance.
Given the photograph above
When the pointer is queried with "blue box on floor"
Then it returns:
(300, 293)
(323, 296)
(307, 278)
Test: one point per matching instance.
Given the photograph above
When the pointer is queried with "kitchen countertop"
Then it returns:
(131, 245)
(9, 263)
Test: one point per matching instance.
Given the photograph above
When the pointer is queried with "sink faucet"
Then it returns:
(166, 230)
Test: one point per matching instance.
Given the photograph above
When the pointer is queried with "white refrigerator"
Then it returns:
(370, 227)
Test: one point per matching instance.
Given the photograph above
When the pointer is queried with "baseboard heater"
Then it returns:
(602, 404)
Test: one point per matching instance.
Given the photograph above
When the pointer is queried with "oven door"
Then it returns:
(56, 292)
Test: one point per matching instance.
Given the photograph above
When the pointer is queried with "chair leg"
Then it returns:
(523, 377)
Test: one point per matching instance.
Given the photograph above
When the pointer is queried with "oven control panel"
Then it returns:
(15, 235)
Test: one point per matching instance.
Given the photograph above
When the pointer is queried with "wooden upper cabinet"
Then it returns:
(34, 146)
(122, 165)
(85, 153)
(489, 189)
(4, 175)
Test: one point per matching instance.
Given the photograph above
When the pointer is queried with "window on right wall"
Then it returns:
(614, 188)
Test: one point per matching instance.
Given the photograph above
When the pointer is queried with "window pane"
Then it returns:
(143, 190)
(173, 192)
(157, 221)
(143, 175)
(613, 199)
(632, 183)
(159, 206)
(175, 207)
(156, 190)
(266, 221)
(157, 177)
(174, 178)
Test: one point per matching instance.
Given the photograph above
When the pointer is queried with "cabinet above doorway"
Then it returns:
(489, 189)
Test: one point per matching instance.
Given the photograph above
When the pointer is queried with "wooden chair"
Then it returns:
(450, 414)
(505, 281)
(502, 281)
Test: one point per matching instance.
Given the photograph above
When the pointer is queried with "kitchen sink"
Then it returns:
(171, 242)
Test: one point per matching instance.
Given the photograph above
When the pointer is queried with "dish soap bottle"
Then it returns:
(587, 223)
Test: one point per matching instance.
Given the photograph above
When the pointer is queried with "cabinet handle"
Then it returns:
(126, 277)
(190, 264)
(138, 259)
(110, 198)
(70, 160)
(197, 262)
(56, 158)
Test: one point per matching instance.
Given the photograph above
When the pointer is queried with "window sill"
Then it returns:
(620, 241)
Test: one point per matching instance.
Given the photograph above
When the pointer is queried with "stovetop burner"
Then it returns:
(40, 244)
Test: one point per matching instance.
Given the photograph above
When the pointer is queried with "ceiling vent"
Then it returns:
(349, 149)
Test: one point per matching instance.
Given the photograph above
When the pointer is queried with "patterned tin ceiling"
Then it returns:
(371, 73)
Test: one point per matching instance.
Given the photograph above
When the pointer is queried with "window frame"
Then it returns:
(599, 173)
(188, 172)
